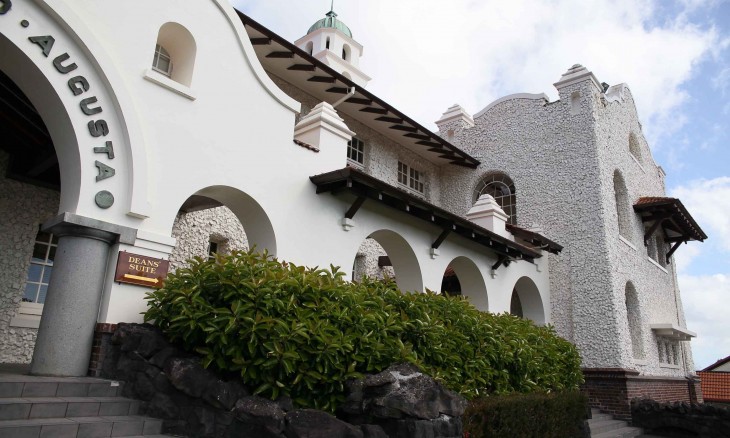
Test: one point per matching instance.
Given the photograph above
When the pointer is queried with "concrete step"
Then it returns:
(623, 432)
(602, 426)
(59, 407)
(23, 386)
(78, 427)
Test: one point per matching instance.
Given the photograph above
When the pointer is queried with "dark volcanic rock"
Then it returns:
(187, 375)
(258, 411)
(310, 423)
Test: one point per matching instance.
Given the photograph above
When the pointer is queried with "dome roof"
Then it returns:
(331, 21)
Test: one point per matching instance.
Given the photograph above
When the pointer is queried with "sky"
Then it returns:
(426, 55)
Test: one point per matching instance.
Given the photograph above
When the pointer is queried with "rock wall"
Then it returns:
(172, 385)
(681, 420)
(23, 207)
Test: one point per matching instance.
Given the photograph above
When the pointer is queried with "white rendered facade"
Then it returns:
(225, 131)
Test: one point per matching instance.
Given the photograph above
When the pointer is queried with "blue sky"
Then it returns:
(426, 55)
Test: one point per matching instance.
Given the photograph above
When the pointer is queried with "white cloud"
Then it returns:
(708, 200)
(706, 309)
(426, 55)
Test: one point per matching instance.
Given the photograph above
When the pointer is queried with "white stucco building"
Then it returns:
(127, 133)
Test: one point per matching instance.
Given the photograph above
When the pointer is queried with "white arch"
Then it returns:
(180, 44)
(529, 295)
(405, 263)
(473, 287)
(256, 223)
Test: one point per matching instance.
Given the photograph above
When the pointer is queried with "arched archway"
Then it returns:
(526, 298)
(259, 232)
(465, 273)
(623, 209)
(398, 254)
(633, 316)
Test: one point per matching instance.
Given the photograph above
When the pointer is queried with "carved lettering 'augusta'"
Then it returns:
(85, 106)
(58, 63)
(78, 84)
(98, 128)
(104, 171)
(5, 6)
(108, 150)
(45, 42)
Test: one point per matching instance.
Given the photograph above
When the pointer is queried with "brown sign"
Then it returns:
(141, 270)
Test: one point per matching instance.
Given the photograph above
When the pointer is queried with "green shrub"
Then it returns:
(539, 415)
(303, 332)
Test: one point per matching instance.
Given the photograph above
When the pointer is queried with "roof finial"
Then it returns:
(332, 5)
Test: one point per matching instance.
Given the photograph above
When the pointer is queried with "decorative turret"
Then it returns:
(330, 41)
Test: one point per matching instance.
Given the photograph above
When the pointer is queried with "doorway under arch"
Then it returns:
(526, 301)
(462, 277)
(392, 256)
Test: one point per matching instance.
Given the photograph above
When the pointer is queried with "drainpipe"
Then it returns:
(349, 94)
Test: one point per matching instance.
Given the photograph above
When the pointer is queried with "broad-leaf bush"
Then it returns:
(303, 332)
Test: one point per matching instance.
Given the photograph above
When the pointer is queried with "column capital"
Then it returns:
(70, 224)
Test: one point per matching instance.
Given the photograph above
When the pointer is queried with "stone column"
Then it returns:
(66, 330)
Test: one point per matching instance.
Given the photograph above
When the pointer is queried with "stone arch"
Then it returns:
(633, 316)
(33, 83)
(471, 282)
(259, 231)
(623, 209)
(181, 46)
(408, 274)
(527, 295)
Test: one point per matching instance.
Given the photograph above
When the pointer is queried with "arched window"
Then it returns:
(502, 189)
(346, 52)
(623, 209)
(327, 43)
(310, 47)
(634, 319)
(635, 147)
(162, 63)
(175, 52)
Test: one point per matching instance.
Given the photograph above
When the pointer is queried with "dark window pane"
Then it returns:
(43, 237)
(39, 252)
(52, 254)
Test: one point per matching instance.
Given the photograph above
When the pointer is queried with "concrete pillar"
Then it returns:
(487, 213)
(66, 330)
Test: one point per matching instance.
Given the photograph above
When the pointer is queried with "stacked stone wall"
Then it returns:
(23, 207)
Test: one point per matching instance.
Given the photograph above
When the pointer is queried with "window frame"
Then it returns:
(161, 53)
(508, 202)
(356, 147)
(411, 179)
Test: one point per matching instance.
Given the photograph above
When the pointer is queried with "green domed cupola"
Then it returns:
(331, 22)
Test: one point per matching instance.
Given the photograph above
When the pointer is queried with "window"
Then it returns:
(212, 250)
(162, 63)
(356, 151)
(635, 148)
(502, 189)
(327, 43)
(623, 209)
(410, 177)
(41, 266)
(633, 315)
(310, 47)
(668, 351)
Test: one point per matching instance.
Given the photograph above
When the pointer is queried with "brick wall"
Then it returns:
(102, 341)
(611, 389)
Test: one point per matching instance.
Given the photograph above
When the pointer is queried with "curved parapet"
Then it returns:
(528, 96)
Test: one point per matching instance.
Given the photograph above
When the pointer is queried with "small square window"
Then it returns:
(162, 62)
(410, 177)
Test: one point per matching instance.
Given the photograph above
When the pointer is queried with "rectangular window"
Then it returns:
(212, 250)
(41, 266)
(356, 151)
(410, 177)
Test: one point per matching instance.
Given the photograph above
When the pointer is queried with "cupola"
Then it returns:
(330, 41)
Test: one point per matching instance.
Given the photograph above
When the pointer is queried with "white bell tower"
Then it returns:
(330, 41)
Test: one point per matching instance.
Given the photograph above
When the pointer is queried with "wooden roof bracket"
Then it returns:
(359, 201)
(441, 238)
(502, 260)
(651, 230)
(674, 248)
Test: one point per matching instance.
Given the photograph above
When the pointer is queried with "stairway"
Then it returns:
(604, 426)
(66, 407)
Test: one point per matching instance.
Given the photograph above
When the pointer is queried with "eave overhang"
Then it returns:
(669, 214)
(369, 189)
(535, 239)
(292, 64)
(671, 331)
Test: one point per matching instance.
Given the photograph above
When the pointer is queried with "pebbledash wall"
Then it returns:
(231, 140)
(564, 169)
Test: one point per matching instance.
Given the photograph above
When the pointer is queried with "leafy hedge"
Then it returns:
(303, 332)
(539, 415)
